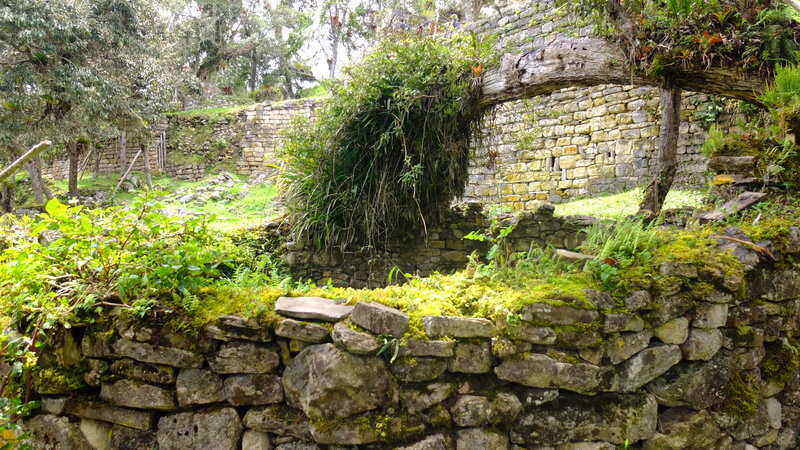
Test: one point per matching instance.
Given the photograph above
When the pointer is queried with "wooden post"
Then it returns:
(27, 156)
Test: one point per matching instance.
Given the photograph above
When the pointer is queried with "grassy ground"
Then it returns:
(249, 210)
(616, 206)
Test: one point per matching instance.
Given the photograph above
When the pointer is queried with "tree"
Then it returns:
(72, 67)
(717, 48)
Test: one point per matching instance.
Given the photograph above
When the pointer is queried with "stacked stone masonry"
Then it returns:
(444, 249)
(665, 368)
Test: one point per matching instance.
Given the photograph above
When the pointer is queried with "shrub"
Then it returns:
(390, 147)
(71, 260)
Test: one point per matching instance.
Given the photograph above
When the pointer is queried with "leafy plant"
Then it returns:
(390, 147)
(500, 253)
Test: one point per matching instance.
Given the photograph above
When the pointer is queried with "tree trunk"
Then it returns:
(97, 157)
(73, 152)
(252, 82)
(6, 197)
(667, 152)
(123, 150)
(40, 191)
(148, 178)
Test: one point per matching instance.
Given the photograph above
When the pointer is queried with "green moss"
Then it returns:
(781, 362)
(743, 395)
(57, 380)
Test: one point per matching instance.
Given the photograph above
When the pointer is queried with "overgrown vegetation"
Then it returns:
(663, 37)
(390, 147)
(769, 137)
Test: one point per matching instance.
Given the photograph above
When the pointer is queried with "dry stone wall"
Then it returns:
(670, 367)
(443, 249)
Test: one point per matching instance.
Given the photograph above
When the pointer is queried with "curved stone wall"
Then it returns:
(671, 367)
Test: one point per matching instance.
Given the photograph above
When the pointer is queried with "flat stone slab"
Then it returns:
(380, 319)
(313, 308)
(302, 331)
(460, 327)
(558, 314)
(141, 420)
(135, 394)
(155, 354)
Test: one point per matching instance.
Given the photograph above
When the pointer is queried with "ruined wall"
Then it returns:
(266, 123)
(443, 250)
(669, 367)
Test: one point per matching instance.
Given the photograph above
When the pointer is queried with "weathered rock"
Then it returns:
(683, 428)
(365, 429)
(614, 418)
(533, 334)
(432, 442)
(302, 331)
(541, 371)
(646, 366)
(669, 306)
(614, 323)
(53, 405)
(673, 332)
(538, 397)
(228, 328)
(140, 420)
(416, 400)
(278, 419)
(326, 382)
(474, 438)
(198, 387)
(624, 346)
(503, 347)
(410, 369)
(297, 445)
(421, 347)
(243, 357)
(767, 417)
(557, 314)
(459, 327)
(587, 446)
(256, 389)
(256, 440)
(678, 269)
(778, 286)
(97, 345)
(135, 394)
(577, 338)
(354, 341)
(166, 356)
(124, 438)
(471, 358)
(49, 432)
(149, 373)
(638, 300)
(97, 433)
(380, 319)
(313, 308)
(698, 385)
(471, 411)
(711, 316)
(505, 407)
(217, 429)
(702, 344)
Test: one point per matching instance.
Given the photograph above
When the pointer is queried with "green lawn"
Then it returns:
(616, 206)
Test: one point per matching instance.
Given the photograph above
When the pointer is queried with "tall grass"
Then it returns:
(625, 241)
(390, 147)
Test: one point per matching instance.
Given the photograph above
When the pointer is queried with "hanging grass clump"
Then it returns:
(390, 147)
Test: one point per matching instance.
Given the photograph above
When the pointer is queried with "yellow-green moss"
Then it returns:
(743, 395)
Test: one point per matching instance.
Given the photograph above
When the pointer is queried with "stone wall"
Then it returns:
(669, 367)
(266, 123)
(443, 250)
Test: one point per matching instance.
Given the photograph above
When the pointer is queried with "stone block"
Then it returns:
(380, 319)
